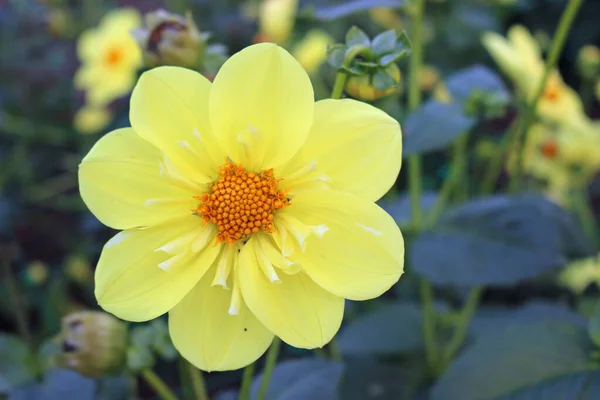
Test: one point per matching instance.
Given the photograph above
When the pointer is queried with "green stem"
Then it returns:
(269, 367)
(494, 168)
(431, 348)
(586, 216)
(558, 42)
(334, 350)
(157, 384)
(460, 330)
(198, 382)
(338, 86)
(454, 179)
(14, 294)
(246, 382)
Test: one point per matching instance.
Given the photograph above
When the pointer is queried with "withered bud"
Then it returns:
(170, 39)
(94, 343)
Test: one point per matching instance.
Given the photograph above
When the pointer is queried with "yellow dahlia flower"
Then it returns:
(247, 209)
(520, 57)
(110, 57)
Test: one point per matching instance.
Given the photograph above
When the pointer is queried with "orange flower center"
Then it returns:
(549, 149)
(552, 91)
(113, 57)
(240, 203)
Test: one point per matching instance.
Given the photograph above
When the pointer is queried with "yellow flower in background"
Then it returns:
(276, 19)
(360, 87)
(387, 18)
(520, 58)
(311, 51)
(90, 119)
(578, 275)
(110, 57)
(246, 209)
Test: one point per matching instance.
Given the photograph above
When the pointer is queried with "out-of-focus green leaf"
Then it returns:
(463, 83)
(385, 42)
(394, 328)
(4, 385)
(580, 385)
(114, 388)
(139, 358)
(499, 240)
(400, 208)
(337, 11)
(489, 319)
(514, 358)
(335, 55)
(433, 127)
(62, 384)
(356, 37)
(383, 81)
(594, 326)
(17, 364)
(308, 378)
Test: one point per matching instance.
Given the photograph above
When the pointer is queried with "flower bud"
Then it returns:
(94, 343)
(37, 273)
(170, 39)
(78, 269)
(361, 87)
(588, 61)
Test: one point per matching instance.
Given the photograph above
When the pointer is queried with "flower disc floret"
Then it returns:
(241, 203)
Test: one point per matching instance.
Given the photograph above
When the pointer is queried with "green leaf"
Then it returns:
(385, 42)
(513, 358)
(580, 385)
(307, 378)
(61, 384)
(433, 127)
(383, 81)
(498, 240)
(594, 326)
(336, 55)
(354, 70)
(356, 37)
(17, 364)
(465, 82)
(400, 208)
(392, 57)
(393, 328)
(4, 385)
(337, 11)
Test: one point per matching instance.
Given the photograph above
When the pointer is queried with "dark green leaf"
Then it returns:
(400, 208)
(513, 358)
(356, 37)
(433, 127)
(392, 57)
(333, 12)
(499, 240)
(114, 388)
(314, 379)
(61, 384)
(385, 42)
(580, 385)
(393, 328)
(354, 70)
(594, 326)
(382, 81)
(4, 385)
(17, 364)
(463, 83)
(491, 319)
(336, 55)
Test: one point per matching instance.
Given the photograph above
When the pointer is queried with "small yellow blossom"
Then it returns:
(361, 88)
(387, 18)
(578, 275)
(520, 57)
(246, 209)
(110, 57)
(276, 19)
(311, 51)
(429, 76)
(91, 119)
(37, 272)
(441, 93)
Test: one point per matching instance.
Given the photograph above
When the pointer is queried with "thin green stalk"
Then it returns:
(494, 168)
(14, 294)
(459, 164)
(431, 348)
(558, 42)
(246, 382)
(338, 86)
(334, 351)
(586, 216)
(269, 367)
(460, 330)
(157, 384)
(198, 382)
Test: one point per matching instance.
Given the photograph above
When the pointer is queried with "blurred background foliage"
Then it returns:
(498, 265)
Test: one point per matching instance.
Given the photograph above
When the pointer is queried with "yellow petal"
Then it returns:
(123, 19)
(507, 58)
(360, 256)
(261, 103)
(297, 310)
(209, 337)
(121, 183)
(528, 49)
(358, 146)
(129, 282)
(89, 119)
(169, 108)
